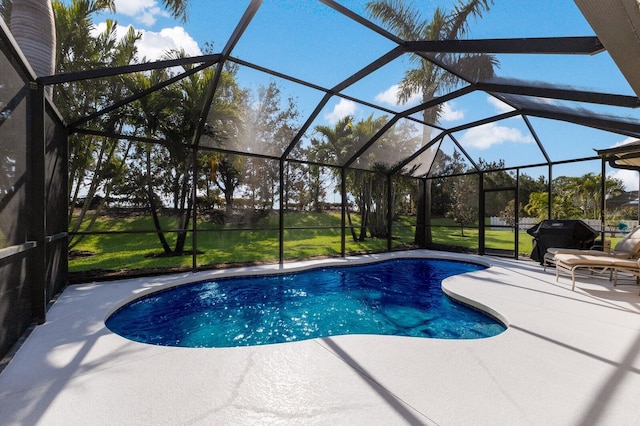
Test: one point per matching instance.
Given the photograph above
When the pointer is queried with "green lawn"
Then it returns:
(216, 243)
(221, 244)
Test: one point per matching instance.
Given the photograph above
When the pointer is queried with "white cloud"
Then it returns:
(133, 7)
(99, 29)
(487, 135)
(143, 11)
(499, 105)
(390, 97)
(448, 113)
(341, 110)
(153, 45)
(628, 177)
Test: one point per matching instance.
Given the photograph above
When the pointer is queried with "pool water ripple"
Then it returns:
(396, 297)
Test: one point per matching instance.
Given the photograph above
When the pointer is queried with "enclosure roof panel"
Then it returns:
(617, 24)
(528, 77)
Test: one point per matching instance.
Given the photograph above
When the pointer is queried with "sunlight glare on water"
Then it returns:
(400, 297)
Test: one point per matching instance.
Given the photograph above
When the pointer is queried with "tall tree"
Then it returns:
(584, 192)
(224, 128)
(528, 185)
(316, 177)
(270, 121)
(172, 114)
(464, 206)
(68, 46)
(369, 189)
(227, 176)
(573, 197)
(561, 208)
(332, 145)
(95, 164)
(461, 192)
(428, 79)
(33, 26)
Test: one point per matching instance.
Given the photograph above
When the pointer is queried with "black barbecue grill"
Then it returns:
(568, 233)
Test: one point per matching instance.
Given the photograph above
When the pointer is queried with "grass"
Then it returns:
(226, 244)
(139, 248)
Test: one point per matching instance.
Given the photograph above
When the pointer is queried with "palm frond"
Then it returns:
(398, 16)
(177, 8)
(458, 19)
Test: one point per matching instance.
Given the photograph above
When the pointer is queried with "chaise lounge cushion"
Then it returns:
(571, 262)
(626, 248)
(597, 261)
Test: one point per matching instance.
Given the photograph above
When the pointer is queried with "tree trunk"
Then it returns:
(228, 199)
(33, 27)
(353, 231)
(153, 207)
(93, 189)
(185, 206)
(365, 208)
(182, 235)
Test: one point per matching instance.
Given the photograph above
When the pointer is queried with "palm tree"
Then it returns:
(95, 164)
(170, 113)
(33, 27)
(428, 79)
(367, 188)
(333, 145)
(224, 127)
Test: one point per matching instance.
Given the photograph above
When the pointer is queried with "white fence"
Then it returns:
(528, 222)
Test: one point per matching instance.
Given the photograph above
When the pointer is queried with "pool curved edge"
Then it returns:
(474, 304)
(169, 282)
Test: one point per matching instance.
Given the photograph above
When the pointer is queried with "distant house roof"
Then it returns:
(628, 198)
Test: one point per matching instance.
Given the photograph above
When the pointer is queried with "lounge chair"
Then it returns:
(627, 248)
(570, 263)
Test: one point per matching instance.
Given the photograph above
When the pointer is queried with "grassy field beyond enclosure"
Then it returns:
(133, 245)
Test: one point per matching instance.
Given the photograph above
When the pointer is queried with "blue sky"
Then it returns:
(307, 40)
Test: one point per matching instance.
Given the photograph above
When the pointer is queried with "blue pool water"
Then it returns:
(400, 297)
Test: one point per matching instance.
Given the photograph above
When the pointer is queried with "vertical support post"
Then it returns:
(281, 214)
(36, 259)
(603, 191)
(481, 209)
(516, 214)
(389, 213)
(550, 193)
(423, 234)
(194, 212)
(343, 212)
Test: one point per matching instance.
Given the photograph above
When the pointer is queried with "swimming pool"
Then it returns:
(394, 297)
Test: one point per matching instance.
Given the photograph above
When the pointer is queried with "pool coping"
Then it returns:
(568, 357)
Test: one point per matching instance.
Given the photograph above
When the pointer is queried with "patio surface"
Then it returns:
(567, 358)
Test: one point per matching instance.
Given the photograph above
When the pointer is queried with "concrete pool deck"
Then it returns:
(567, 358)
